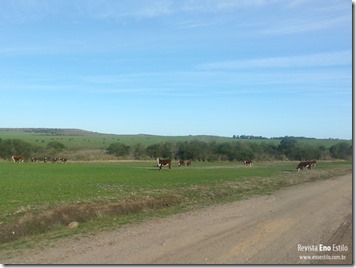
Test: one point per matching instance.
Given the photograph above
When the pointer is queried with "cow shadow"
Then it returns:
(288, 170)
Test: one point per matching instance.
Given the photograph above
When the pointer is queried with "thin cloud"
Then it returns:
(305, 25)
(340, 58)
(22, 11)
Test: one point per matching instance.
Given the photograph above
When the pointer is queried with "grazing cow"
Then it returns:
(63, 160)
(313, 163)
(163, 163)
(35, 159)
(189, 162)
(248, 163)
(181, 163)
(59, 159)
(17, 159)
(306, 164)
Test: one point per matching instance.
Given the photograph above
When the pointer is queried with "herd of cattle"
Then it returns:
(20, 159)
(248, 163)
(160, 162)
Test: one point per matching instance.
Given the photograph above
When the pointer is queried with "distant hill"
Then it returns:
(50, 131)
(78, 138)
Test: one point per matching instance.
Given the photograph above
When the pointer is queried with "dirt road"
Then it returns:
(276, 229)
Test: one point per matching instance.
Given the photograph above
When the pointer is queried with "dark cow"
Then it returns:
(189, 162)
(35, 159)
(163, 163)
(306, 164)
(248, 163)
(17, 159)
(181, 163)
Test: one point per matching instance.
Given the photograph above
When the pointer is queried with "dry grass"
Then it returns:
(33, 224)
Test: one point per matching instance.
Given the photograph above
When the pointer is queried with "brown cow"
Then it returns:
(306, 164)
(163, 163)
(17, 159)
(248, 163)
(181, 163)
(59, 159)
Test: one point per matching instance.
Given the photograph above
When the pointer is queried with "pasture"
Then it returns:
(80, 139)
(37, 197)
(75, 139)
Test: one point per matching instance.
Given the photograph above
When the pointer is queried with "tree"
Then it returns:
(341, 150)
(55, 145)
(118, 149)
(11, 147)
(139, 151)
(289, 147)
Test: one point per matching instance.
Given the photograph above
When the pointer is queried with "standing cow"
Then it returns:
(164, 163)
(248, 163)
(181, 163)
(17, 159)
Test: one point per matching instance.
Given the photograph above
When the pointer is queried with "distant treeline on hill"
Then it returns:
(237, 150)
(252, 137)
(50, 131)
(287, 149)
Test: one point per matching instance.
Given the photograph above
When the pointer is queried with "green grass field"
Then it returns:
(37, 197)
(90, 140)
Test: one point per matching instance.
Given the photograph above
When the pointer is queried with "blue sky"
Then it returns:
(178, 67)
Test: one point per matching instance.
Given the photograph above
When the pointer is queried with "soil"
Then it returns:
(283, 228)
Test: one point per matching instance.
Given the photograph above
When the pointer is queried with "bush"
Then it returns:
(118, 149)
(341, 150)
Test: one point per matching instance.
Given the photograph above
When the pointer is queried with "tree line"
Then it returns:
(287, 149)
(18, 147)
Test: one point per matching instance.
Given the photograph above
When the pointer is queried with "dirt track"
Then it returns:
(261, 230)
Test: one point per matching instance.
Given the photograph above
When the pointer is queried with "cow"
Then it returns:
(35, 159)
(248, 163)
(17, 159)
(313, 163)
(163, 163)
(189, 162)
(181, 163)
(306, 164)
(59, 159)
